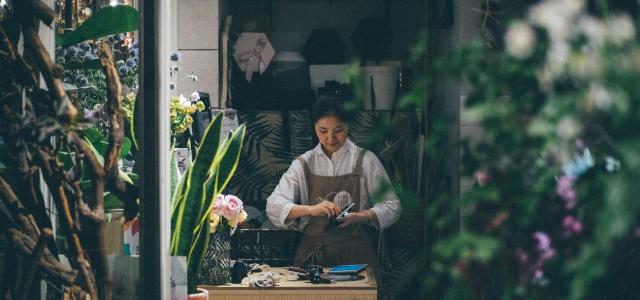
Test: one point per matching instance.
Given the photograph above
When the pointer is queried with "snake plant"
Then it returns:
(216, 160)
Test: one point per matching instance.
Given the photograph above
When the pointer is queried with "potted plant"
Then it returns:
(193, 198)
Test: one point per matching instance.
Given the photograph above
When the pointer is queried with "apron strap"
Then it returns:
(358, 167)
(305, 167)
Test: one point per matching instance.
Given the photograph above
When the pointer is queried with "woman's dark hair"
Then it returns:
(327, 105)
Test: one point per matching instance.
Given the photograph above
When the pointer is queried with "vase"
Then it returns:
(216, 267)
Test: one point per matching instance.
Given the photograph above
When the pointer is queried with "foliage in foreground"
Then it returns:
(553, 214)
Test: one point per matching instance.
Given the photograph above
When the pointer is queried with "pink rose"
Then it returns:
(233, 206)
(218, 204)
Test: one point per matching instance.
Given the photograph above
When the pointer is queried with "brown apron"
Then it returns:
(327, 245)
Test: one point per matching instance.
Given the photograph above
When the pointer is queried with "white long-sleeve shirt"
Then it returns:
(293, 185)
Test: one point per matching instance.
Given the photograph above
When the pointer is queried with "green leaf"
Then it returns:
(122, 175)
(196, 255)
(134, 117)
(125, 177)
(125, 147)
(65, 158)
(112, 201)
(106, 21)
(93, 135)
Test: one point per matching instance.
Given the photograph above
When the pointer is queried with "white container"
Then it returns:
(318, 74)
(385, 83)
(288, 60)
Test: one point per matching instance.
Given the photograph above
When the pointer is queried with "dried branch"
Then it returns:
(47, 261)
(25, 73)
(114, 106)
(41, 11)
(25, 242)
(66, 111)
(53, 173)
(31, 264)
(27, 222)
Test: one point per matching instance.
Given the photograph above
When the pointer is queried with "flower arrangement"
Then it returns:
(227, 208)
(180, 111)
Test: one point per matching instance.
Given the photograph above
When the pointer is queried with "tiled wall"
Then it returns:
(198, 26)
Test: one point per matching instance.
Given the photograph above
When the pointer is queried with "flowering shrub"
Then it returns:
(82, 69)
(553, 214)
(227, 213)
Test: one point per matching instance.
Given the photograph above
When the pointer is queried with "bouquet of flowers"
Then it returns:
(181, 109)
(227, 213)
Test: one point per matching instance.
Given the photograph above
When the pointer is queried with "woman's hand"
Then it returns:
(356, 217)
(324, 208)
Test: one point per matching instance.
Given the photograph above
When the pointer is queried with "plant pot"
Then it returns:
(216, 267)
(202, 294)
(379, 86)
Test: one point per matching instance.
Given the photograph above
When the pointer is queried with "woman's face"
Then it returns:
(332, 133)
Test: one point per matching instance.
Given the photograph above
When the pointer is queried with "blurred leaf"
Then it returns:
(93, 135)
(108, 20)
(112, 201)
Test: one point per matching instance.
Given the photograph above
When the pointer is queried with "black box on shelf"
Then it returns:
(275, 247)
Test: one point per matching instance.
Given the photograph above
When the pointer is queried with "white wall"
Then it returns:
(198, 23)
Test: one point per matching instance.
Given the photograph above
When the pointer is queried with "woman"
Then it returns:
(319, 183)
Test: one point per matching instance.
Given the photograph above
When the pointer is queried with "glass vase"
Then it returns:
(216, 266)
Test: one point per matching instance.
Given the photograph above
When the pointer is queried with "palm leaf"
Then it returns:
(251, 178)
(291, 138)
(258, 128)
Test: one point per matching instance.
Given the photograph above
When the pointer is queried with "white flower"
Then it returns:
(568, 128)
(586, 63)
(520, 40)
(557, 58)
(593, 28)
(195, 96)
(184, 101)
(599, 96)
(621, 29)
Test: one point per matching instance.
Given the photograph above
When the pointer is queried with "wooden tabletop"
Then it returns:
(289, 281)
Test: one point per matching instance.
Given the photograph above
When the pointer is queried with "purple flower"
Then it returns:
(564, 189)
(571, 226)
(538, 274)
(543, 242)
